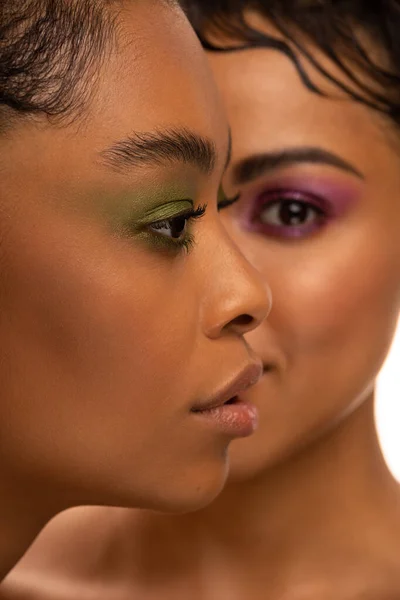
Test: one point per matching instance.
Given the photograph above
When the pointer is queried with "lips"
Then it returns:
(229, 394)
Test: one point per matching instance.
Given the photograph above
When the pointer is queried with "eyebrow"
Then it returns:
(160, 148)
(257, 165)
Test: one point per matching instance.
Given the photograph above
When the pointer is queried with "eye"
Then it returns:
(289, 213)
(176, 231)
(174, 228)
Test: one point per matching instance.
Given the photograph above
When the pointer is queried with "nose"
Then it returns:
(239, 297)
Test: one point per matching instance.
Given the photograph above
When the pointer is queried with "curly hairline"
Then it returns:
(51, 52)
(327, 24)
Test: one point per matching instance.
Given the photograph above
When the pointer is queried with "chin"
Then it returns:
(250, 458)
(189, 493)
(250, 465)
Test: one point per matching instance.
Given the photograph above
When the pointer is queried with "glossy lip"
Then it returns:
(246, 378)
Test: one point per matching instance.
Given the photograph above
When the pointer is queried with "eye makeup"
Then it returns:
(166, 226)
(307, 202)
(172, 232)
(224, 201)
(164, 212)
(159, 214)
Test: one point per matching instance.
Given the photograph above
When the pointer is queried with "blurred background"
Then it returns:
(388, 407)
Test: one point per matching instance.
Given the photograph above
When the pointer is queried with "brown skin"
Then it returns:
(109, 340)
(311, 511)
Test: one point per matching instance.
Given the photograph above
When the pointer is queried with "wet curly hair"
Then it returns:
(49, 51)
(338, 28)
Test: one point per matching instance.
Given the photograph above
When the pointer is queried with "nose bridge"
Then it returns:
(239, 296)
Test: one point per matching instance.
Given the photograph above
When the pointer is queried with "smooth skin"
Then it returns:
(112, 329)
(311, 511)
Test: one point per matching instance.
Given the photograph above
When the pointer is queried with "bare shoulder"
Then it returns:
(70, 560)
(25, 589)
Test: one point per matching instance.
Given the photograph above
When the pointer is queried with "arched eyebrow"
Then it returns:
(255, 166)
(160, 148)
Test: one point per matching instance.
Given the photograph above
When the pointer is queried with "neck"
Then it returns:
(23, 513)
(310, 504)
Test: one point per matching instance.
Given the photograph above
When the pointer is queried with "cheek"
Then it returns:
(331, 298)
(95, 335)
(340, 311)
(338, 293)
(109, 315)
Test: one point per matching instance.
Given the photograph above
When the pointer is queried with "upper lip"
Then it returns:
(245, 379)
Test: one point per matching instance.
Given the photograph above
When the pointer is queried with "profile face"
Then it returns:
(319, 217)
(121, 310)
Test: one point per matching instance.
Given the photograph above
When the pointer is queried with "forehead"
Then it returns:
(157, 78)
(268, 103)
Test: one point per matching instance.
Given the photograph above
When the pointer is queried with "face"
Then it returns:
(319, 217)
(121, 309)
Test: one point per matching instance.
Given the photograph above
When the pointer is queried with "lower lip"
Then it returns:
(239, 419)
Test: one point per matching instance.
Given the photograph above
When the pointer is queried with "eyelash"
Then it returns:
(187, 242)
(227, 202)
(279, 198)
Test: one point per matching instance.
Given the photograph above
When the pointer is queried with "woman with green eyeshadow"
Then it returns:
(123, 302)
(310, 511)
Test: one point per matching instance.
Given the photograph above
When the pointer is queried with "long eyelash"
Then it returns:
(198, 212)
(189, 215)
(226, 202)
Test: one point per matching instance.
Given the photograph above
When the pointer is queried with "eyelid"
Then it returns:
(334, 194)
(192, 214)
(188, 239)
(167, 211)
(254, 221)
(254, 204)
(277, 195)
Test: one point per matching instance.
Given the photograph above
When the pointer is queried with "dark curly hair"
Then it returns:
(49, 51)
(339, 28)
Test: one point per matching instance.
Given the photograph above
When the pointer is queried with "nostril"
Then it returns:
(243, 321)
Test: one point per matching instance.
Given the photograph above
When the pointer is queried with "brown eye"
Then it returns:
(289, 213)
(174, 228)
(175, 231)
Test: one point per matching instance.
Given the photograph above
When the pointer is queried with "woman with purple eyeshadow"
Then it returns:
(311, 512)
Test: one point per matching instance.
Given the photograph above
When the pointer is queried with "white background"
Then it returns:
(388, 407)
